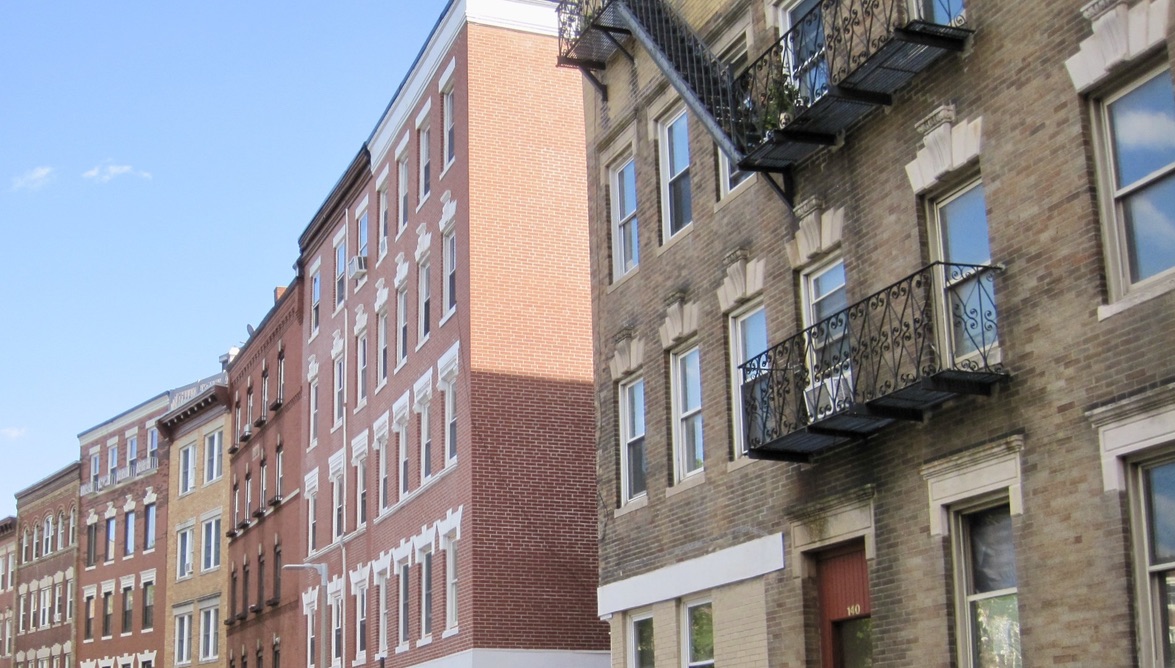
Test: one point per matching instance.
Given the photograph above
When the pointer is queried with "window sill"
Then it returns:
(739, 462)
(313, 444)
(337, 425)
(401, 648)
(420, 345)
(449, 632)
(623, 279)
(423, 200)
(690, 482)
(406, 498)
(359, 406)
(379, 260)
(448, 315)
(1144, 293)
(361, 282)
(448, 166)
(426, 640)
(400, 365)
(632, 505)
(675, 239)
(338, 307)
(313, 335)
(360, 659)
(738, 190)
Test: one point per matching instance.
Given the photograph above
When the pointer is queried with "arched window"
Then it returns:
(73, 525)
(47, 537)
(61, 529)
(36, 541)
(25, 554)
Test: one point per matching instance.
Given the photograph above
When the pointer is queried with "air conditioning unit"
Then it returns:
(829, 396)
(357, 267)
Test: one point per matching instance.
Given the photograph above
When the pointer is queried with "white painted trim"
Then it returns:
(422, 115)
(734, 564)
(520, 658)
(382, 179)
(533, 16)
(447, 76)
(1131, 426)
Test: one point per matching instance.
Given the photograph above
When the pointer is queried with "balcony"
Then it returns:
(839, 61)
(895, 355)
(587, 32)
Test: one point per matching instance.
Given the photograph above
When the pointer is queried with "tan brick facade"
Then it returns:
(1080, 354)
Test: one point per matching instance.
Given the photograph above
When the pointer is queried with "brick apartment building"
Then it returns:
(882, 298)
(46, 577)
(123, 547)
(266, 528)
(448, 483)
(8, 548)
(194, 432)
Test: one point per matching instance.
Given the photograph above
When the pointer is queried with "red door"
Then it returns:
(845, 631)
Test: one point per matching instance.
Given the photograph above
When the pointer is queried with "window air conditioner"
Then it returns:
(357, 267)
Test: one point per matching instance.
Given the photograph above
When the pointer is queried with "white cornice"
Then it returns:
(159, 403)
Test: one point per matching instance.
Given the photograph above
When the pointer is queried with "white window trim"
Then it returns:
(734, 329)
(686, 606)
(621, 157)
(667, 119)
(630, 633)
(623, 389)
(680, 472)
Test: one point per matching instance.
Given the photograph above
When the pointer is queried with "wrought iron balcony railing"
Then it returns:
(894, 355)
(835, 63)
(587, 30)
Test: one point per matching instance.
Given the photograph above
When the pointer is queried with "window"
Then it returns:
(424, 300)
(963, 243)
(626, 243)
(183, 555)
(311, 639)
(132, 453)
(451, 582)
(95, 471)
(36, 541)
(277, 483)
(336, 636)
(148, 605)
(183, 638)
(149, 527)
(676, 204)
(633, 465)
(209, 633)
(340, 273)
(61, 538)
(402, 178)
(107, 614)
(264, 393)
(450, 287)
(47, 538)
(361, 369)
(249, 409)
(58, 601)
(382, 343)
(748, 338)
(805, 58)
(211, 544)
(315, 300)
(340, 388)
(729, 175)
(686, 376)
(426, 595)
(312, 522)
(401, 326)
(112, 463)
(1152, 491)
(281, 376)
(402, 436)
(214, 455)
(313, 412)
(1138, 180)
(450, 422)
(450, 126)
(405, 594)
(152, 444)
(423, 141)
(248, 495)
(986, 565)
(384, 475)
(111, 533)
(829, 355)
(128, 609)
(382, 627)
(46, 606)
(91, 544)
(362, 234)
(263, 477)
(89, 626)
(187, 469)
(361, 492)
(128, 547)
(384, 215)
(361, 620)
(425, 443)
(698, 631)
(338, 519)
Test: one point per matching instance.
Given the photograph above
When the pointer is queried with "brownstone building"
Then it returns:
(882, 298)
(266, 527)
(448, 482)
(46, 575)
(9, 531)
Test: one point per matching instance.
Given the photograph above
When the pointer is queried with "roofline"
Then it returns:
(121, 417)
(52, 477)
(359, 164)
(270, 314)
(169, 421)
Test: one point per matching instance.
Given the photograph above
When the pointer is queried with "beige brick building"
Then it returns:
(897, 393)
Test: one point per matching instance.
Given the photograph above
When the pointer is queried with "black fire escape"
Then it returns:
(838, 61)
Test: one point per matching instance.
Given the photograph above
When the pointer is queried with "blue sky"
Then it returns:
(157, 164)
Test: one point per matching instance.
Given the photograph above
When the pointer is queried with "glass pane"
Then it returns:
(636, 467)
(691, 381)
(679, 145)
(1167, 616)
(693, 442)
(1150, 228)
(993, 557)
(964, 228)
(996, 632)
(626, 197)
(630, 247)
(855, 640)
(636, 409)
(1142, 128)
(680, 205)
(701, 633)
(1160, 498)
(753, 333)
(642, 632)
(828, 292)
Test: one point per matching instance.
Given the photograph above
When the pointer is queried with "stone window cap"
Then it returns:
(948, 145)
(744, 279)
(1131, 426)
(1121, 34)
(681, 321)
(980, 470)
(818, 233)
(629, 354)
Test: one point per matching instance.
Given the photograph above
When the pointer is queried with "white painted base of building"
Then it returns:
(521, 658)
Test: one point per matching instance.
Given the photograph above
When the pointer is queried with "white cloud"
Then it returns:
(106, 172)
(33, 179)
(1146, 129)
(12, 433)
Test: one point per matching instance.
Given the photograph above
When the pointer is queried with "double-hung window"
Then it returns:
(963, 245)
(426, 594)
(985, 561)
(338, 518)
(1138, 180)
(686, 377)
(183, 638)
(450, 261)
(214, 455)
(183, 553)
(362, 233)
(447, 104)
(402, 190)
(1153, 493)
(451, 584)
(382, 345)
(402, 437)
(829, 348)
(748, 338)
(626, 244)
(450, 422)
(149, 527)
(698, 635)
(211, 544)
(361, 493)
(425, 442)
(423, 145)
(209, 633)
(340, 273)
(729, 175)
(676, 192)
(401, 326)
(633, 462)
(340, 387)
(313, 413)
(111, 533)
(315, 300)
(405, 597)
(187, 469)
(128, 547)
(361, 621)
(361, 369)
(384, 217)
(424, 300)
